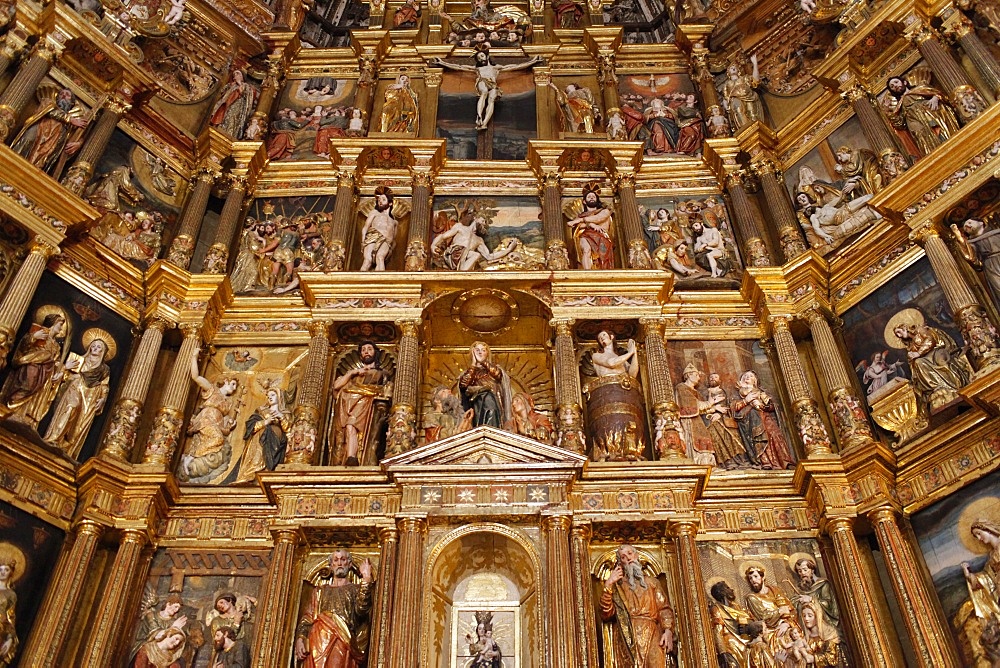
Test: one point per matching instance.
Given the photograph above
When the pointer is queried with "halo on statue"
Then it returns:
(907, 317)
(109, 341)
(985, 508)
(711, 582)
(51, 309)
(795, 557)
(750, 564)
(400, 208)
(12, 554)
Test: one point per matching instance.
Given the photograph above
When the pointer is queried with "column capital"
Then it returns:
(840, 523)
(814, 315)
(117, 104)
(411, 524)
(48, 48)
(388, 533)
(883, 514)
(286, 535)
(855, 92)
(582, 530)
(368, 68)
(623, 180)
(737, 178)
(924, 231)
(421, 178)
(156, 322)
(135, 536)
(206, 173)
(764, 165)
(89, 526)
(43, 248)
(550, 179)
(410, 327)
(319, 328)
(563, 326)
(238, 182)
(651, 325)
(192, 330)
(557, 522)
(543, 77)
(919, 32)
(779, 323)
(433, 77)
(684, 527)
(606, 68)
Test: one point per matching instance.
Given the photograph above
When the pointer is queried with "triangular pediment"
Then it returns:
(485, 446)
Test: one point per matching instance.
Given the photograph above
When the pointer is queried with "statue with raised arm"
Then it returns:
(614, 401)
(739, 95)
(486, 80)
(208, 450)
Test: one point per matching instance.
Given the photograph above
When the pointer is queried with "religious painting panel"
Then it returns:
(54, 129)
(243, 414)
(590, 228)
(661, 110)
(831, 186)
(730, 408)
(28, 553)
(784, 589)
(692, 237)
(69, 358)
(282, 236)
(903, 339)
(309, 113)
(140, 198)
(198, 608)
(328, 23)
(487, 233)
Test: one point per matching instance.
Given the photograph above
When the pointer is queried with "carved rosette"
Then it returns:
(181, 250)
(402, 434)
(124, 424)
(849, 419)
(164, 436)
(669, 444)
(304, 433)
(416, 256)
(811, 429)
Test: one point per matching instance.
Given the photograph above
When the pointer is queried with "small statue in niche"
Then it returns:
(486, 80)
(938, 367)
(235, 105)
(401, 109)
(485, 388)
(208, 449)
(265, 434)
(378, 235)
(739, 95)
(980, 246)
(591, 226)
(616, 127)
(580, 112)
(36, 367)
(614, 401)
(920, 109)
(407, 16)
(54, 132)
(363, 392)
(568, 13)
(717, 124)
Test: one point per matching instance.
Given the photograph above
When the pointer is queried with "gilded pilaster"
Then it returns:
(562, 640)
(382, 622)
(696, 628)
(583, 596)
(420, 222)
(78, 175)
(302, 443)
(343, 217)
(965, 98)
(406, 593)
(631, 223)
(368, 77)
(217, 257)
(19, 294)
(880, 136)
(752, 237)
(119, 438)
(556, 254)
(429, 104)
(808, 423)
(706, 82)
(793, 243)
(275, 603)
(166, 430)
(182, 247)
(930, 637)
(22, 87)
(569, 425)
(669, 444)
(402, 434)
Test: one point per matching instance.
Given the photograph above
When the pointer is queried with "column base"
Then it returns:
(811, 429)
(792, 243)
(163, 437)
(968, 102)
(849, 419)
(181, 250)
(981, 336)
(120, 437)
(6, 343)
(77, 177)
(891, 165)
(757, 253)
(569, 432)
(8, 121)
(416, 256)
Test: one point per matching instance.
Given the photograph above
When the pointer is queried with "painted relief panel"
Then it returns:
(730, 409)
(66, 366)
(973, 225)
(140, 197)
(53, 130)
(661, 110)
(280, 237)
(831, 187)
(487, 234)
(187, 603)
(908, 315)
(959, 537)
(693, 238)
(28, 553)
(309, 113)
(784, 589)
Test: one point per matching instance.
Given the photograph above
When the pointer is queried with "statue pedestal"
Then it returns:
(897, 409)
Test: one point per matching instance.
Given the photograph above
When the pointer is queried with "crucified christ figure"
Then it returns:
(486, 81)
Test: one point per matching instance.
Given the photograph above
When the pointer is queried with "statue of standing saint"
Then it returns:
(378, 236)
(401, 109)
(614, 401)
(363, 394)
(485, 389)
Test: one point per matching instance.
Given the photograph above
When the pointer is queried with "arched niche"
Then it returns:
(482, 568)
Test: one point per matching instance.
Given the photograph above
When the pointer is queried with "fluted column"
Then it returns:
(706, 83)
(583, 596)
(119, 438)
(302, 444)
(382, 621)
(22, 87)
(44, 645)
(559, 576)
(980, 55)
(880, 136)
(977, 330)
(343, 217)
(420, 222)
(556, 255)
(863, 613)
(848, 416)
(790, 236)
(669, 444)
(631, 223)
(747, 224)
(275, 602)
(965, 98)
(930, 637)
(78, 175)
(808, 423)
(695, 627)
(608, 79)
(166, 430)
(19, 294)
(217, 257)
(182, 247)
(107, 631)
(569, 424)
(407, 593)
(402, 434)
(368, 69)
(268, 94)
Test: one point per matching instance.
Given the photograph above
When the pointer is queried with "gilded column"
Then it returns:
(402, 434)
(407, 593)
(930, 637)
(880, 136)
(562, 640)
(217, 257)
(343, 216)
(382, 620)
(107, 630)
(790, 236)
(119, 439)
(429, 105)
(808, 423)
(367, 78)
(669, 445)
(166, 430)
(631, 223)
(545, 116)
(583, 596)
(257, 127)
(556, 254)
(44, 646)
(977, 330)
(862, 611)
(19, 294)
(693, 609)
(93, 148)
(182, 247)
(849, 419)
(980, 55)
(275, 603)
(965, 98)
(706, 83)
(21, 88)
(608, 78)
(747, 225)
(420, 222)
(302, 444)
(569, 425)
